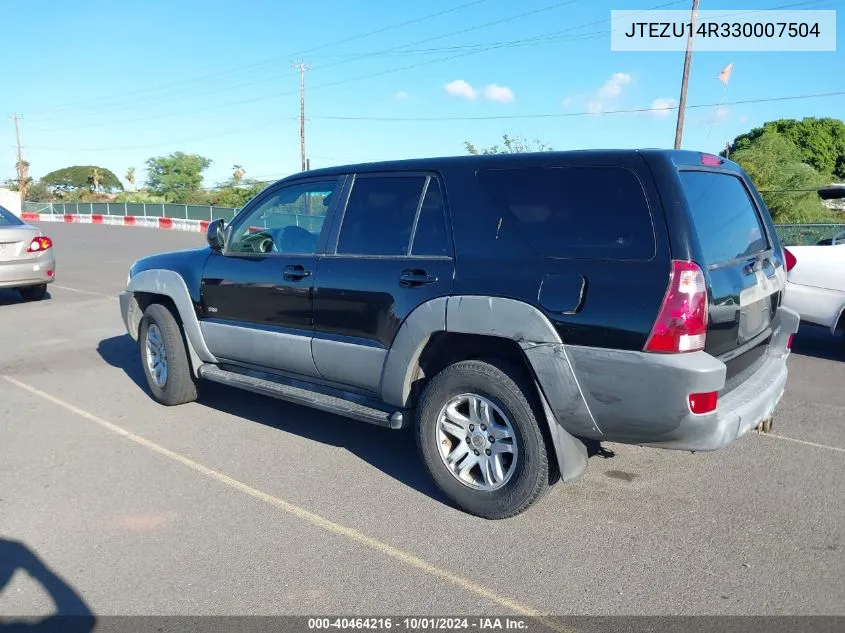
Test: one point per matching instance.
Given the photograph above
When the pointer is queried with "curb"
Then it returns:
(170, 224)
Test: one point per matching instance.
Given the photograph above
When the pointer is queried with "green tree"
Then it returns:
(236, 197)
(238, 173)
(130, 177)
(39, 192)
(511, 145)
(80, 177)
(177, 176)
(787, 184)
(820, 141)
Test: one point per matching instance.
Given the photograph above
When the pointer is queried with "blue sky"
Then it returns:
(113, 83)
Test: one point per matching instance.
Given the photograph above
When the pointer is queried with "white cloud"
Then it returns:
(595, 107)
(743, 118)
(461, 88)
(502, 94)
(662, 107)
(568, 101)
(604, 98)
(613, 87)
(722, 114)
(402, 95)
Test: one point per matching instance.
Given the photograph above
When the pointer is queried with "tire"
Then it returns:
(176, 383)
(34, 293)
(509, 391)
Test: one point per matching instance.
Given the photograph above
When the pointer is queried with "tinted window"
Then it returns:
(7, 218)
(576, 212)
(289, 220)
(380, 215)
(430, 237)
(725, 218)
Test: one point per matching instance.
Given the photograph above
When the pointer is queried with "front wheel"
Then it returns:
(480, 440)
(165, 357)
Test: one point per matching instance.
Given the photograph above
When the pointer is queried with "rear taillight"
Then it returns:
(39, 244)
(789, 341)
(790, 259)
(710, 160)
(703, 402)
(681, 324)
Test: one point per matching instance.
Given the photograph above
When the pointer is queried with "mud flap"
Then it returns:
(570, 452)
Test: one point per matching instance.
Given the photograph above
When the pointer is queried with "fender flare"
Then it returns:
(171, 284)
(837, 320)
(491, 316)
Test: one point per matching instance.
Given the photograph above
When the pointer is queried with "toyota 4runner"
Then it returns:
(512, 309)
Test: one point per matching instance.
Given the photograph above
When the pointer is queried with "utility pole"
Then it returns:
(302, 68)
(23, 172)
(679, 130)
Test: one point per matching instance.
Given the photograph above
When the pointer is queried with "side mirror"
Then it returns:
(215, 235)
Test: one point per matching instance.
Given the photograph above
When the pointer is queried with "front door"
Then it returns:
(392, 253)
(257, 295)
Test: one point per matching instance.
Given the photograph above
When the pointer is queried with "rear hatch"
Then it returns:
(738, 259)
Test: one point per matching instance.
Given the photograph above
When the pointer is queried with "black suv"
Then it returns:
(513, 309)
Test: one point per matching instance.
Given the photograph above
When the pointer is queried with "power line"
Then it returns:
(272, 61)
(285, 93)
(549, 115)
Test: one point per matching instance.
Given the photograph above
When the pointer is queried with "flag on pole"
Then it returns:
(725, 75)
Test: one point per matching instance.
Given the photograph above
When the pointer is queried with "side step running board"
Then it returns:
(306, 397)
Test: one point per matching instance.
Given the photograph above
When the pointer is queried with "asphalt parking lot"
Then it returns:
(240, 504)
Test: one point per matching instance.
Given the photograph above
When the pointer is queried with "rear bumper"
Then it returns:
(29, 272)
(640, 398)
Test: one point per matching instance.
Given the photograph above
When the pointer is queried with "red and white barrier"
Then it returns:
(170, 224)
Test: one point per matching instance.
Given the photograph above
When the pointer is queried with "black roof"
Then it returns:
(445, 163)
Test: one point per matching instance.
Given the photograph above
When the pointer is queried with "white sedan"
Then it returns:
(815, 283)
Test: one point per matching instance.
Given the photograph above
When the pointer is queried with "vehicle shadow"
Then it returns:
(71, 612)
(11, 297)
(818, 342)
(392, 452)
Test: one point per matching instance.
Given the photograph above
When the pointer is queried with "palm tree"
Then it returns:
(239, 173)
(94, 179)
(130, 177)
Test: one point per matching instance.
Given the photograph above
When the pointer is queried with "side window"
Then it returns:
(380, 215)
(430, 237)
(576, 212)
(289, 220)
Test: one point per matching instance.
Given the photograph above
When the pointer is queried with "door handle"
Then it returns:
(416, 278)
(296, 272)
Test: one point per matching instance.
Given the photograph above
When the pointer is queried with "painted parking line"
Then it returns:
(314, 519)
(83, 292)
(804, 442)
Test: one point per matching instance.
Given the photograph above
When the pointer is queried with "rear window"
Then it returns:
(7, 218)
(725, 217)
(576, 212)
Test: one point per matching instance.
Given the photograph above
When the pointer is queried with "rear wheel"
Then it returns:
(165, 357)
(480, 440)
(34, 293)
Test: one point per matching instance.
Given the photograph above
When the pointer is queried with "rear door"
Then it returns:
(739, 259)
(391, 253)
